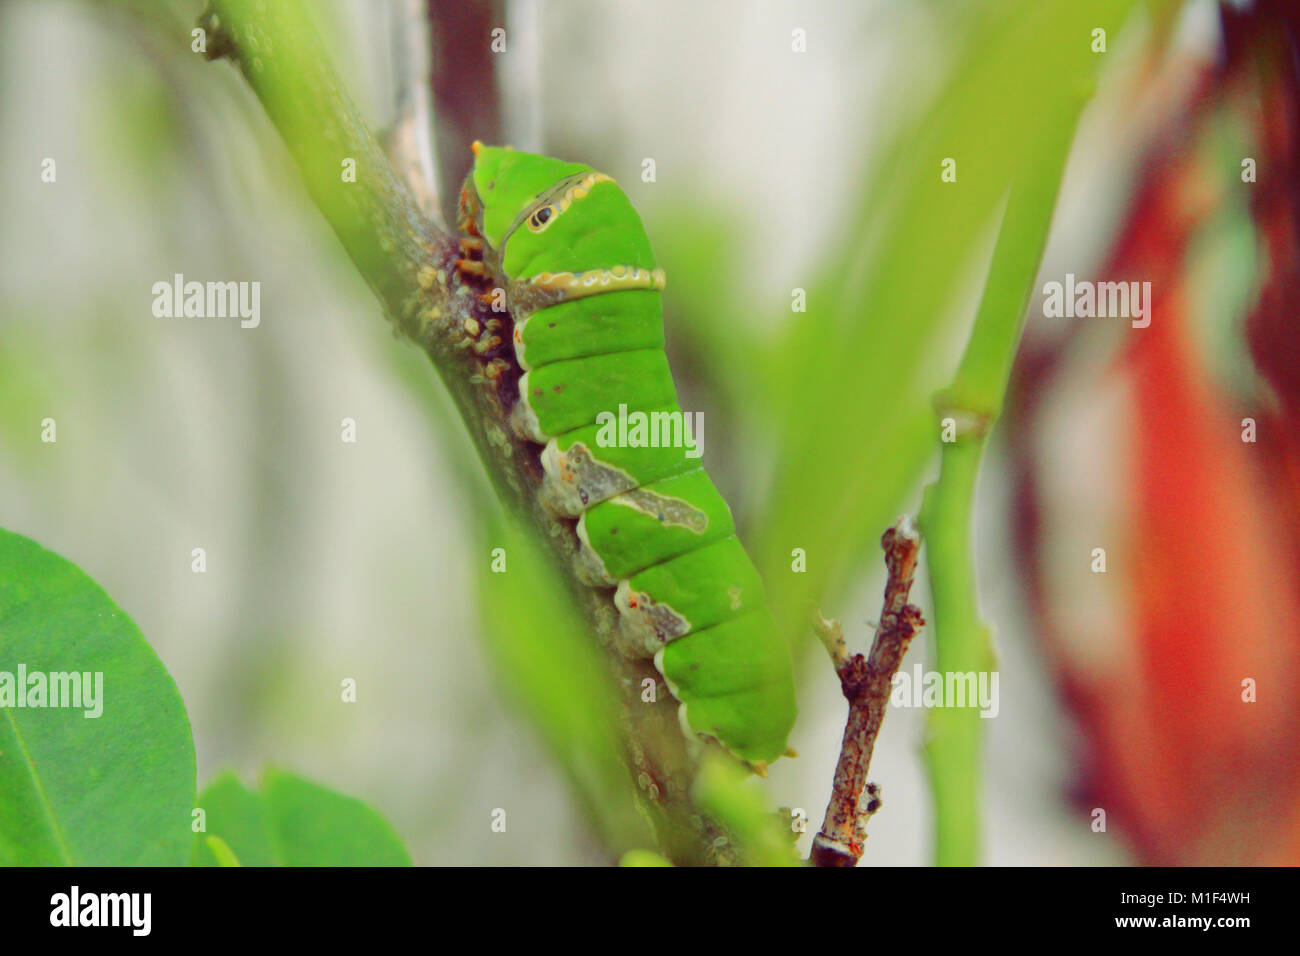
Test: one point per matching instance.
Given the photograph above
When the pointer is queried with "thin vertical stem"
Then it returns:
(970, 406)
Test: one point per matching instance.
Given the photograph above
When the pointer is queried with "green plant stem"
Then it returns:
(399, 252)
(405, 257)
(974, 400)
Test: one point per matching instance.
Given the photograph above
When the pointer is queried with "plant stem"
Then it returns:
(973, 401)
(866, 683)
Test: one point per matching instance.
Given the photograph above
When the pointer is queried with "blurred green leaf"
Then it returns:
(221, 851)
(697, 242)
(27, 393)
(852, 416)
(115, 789)
(643, 858)
(551, 666)
(292, 822)
(734, 798)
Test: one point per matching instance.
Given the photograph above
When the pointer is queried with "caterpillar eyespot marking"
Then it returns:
(584, 291)
(540, 218)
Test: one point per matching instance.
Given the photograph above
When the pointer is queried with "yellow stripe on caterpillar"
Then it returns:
(550, 288)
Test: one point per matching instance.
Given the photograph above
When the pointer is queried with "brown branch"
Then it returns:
(866, 683)
(466, 94)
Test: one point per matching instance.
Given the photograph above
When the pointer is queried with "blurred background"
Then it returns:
(329, 560)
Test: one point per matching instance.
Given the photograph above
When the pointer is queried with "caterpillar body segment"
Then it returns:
(620, 321)
(555, 399)
(583, 287)
(581, 472)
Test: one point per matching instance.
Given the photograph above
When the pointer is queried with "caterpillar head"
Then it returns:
(507, 182)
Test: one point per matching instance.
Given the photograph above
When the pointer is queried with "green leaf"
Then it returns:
(221, 852)
(551, 666)
(291, 822)
(734, 798)
(240, 819)
(110, 790)
(643, 858)
(855, 424)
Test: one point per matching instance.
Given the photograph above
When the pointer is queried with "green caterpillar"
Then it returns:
(583, 288)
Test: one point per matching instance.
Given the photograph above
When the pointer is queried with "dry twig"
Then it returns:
(866, 683)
